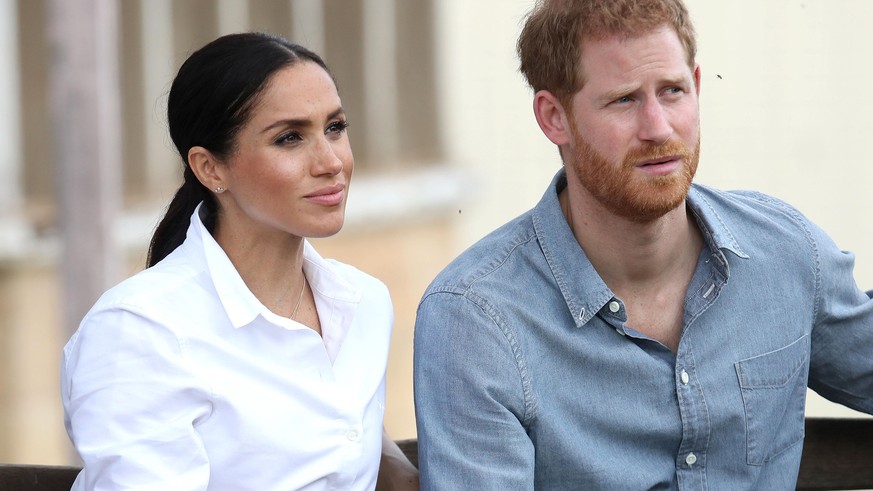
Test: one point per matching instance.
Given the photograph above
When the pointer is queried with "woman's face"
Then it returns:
(292, 163)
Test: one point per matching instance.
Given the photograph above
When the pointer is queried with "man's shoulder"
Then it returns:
(743, 204)
(750, 217)
(489, 257)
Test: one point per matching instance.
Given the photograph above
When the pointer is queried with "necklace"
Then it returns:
(299, 298)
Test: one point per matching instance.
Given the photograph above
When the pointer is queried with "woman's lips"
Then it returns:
(329, 195)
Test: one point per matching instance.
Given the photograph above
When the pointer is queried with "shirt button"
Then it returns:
(684, 377)
(614, 306)
(352, 435)
(691, 459)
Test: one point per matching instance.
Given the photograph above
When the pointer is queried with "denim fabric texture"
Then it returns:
(527, 377)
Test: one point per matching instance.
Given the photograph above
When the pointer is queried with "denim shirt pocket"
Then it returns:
(773, 387)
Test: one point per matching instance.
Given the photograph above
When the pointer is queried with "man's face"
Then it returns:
(635, 125)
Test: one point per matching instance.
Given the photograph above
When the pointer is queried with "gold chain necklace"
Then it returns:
(299, 298)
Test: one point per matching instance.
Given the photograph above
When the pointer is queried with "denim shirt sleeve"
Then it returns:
(841, 367)
(841, 357)
(470, 397)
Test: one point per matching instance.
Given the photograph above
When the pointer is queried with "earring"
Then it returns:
(219, 189)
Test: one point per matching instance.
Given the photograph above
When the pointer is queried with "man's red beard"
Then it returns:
(625, 191)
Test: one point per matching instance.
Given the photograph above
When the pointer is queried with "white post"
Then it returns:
(380, 79)
(233, 16)
(86, 119)
(307, 24)
(13, 229)
(156, 45)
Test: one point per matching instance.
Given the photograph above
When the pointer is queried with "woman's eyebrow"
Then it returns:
(301, 122)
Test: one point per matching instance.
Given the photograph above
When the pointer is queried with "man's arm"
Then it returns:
(396, 472)
(841, 365)
(470, 398)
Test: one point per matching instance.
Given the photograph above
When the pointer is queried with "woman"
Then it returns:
(241, 359)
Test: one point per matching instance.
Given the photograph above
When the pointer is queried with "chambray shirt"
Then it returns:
(180, 379)
(528, 377)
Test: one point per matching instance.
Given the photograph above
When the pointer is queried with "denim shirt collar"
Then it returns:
(580, 284)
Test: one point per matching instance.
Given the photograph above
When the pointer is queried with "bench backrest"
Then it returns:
(837, 454)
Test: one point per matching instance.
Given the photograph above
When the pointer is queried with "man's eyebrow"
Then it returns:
(623, 91)
(301, 122)
(617, 93)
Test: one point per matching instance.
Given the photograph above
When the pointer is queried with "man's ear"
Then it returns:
(552, 118)
(697, 78)
(209, 171)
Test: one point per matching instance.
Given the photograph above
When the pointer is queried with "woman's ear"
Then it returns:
(209, 171)
(552, 118)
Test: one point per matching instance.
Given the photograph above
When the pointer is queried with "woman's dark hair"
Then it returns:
(211, 98)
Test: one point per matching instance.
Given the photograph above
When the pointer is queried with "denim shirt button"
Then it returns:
(691, 459)
(684, 377)
(614, 306)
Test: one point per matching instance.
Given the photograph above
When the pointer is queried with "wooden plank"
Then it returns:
(37, 477)
(837, 454)
(410, 449)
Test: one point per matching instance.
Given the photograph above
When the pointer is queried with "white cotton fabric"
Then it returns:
(179, 378)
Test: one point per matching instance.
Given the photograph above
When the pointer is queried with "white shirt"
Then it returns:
(180, 379)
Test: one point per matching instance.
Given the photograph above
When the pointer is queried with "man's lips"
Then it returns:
(661, 166)
(328, 195)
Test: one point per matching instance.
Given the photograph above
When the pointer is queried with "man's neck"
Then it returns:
(631, 255)
(647, 265)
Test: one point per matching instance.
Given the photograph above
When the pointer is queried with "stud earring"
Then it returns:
(219, 189)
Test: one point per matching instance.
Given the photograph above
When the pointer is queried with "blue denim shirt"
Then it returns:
(527, 377)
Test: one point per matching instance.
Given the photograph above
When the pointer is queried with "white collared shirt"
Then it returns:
(179, 378)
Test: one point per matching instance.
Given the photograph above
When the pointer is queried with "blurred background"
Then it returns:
(444, 138)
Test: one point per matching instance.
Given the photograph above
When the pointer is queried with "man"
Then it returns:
(632, 331)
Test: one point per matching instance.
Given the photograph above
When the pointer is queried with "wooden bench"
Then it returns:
(837, 454)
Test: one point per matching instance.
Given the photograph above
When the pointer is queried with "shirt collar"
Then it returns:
(580, 284)
(713, 225)
(241, 305)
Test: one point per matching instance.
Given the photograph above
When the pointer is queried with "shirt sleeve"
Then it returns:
(470, 399)
(841, 361)
(131, 404)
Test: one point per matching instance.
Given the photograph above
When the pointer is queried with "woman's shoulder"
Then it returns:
(354, 275)
(154, 292)
(341, 275)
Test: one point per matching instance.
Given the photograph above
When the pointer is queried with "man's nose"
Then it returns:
(654, 124)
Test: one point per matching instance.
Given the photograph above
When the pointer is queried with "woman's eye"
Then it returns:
(288, 138)
(337, 127)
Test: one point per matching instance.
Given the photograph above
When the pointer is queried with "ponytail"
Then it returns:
(170, 233)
